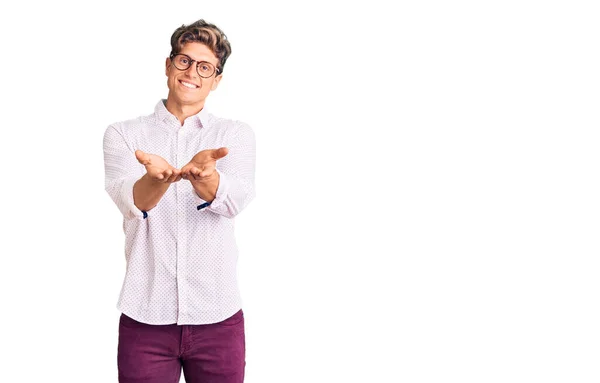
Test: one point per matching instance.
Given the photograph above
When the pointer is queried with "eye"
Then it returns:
(204, 67)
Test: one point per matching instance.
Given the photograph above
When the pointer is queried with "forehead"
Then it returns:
(199, 52)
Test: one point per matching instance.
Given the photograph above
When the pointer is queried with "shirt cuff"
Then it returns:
(130, 210)
(220, 196)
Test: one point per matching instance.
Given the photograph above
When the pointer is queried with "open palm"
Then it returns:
(157, 167)
(202, 165)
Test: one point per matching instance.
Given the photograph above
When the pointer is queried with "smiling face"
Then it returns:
(187, 90)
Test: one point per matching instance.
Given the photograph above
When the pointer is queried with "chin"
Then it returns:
(190, 101)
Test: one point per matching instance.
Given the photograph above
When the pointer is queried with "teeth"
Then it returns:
(188, 85)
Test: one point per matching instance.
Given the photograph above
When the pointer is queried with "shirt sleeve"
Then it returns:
(121, 170)
(236, 175)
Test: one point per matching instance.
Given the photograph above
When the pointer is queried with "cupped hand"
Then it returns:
(158, 168)
(202, 166)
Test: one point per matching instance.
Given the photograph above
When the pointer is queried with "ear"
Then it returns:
(167, 65)
(215, 83)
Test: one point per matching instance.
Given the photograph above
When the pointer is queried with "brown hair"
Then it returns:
(205, 33)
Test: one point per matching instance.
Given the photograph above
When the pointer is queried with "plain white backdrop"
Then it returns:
(427, 185)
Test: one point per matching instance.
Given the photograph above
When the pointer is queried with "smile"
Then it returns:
(188, 84)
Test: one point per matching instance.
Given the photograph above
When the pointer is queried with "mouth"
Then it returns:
(188, 85)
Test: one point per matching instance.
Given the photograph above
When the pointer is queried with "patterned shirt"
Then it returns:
(182, 255)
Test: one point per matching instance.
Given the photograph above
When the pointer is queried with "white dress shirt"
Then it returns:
(181, 260)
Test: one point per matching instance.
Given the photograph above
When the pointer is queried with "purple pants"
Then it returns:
(212, 353)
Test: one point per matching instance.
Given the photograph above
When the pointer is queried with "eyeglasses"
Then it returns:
(183, 62)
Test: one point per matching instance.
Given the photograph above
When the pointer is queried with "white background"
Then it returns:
(427, 185)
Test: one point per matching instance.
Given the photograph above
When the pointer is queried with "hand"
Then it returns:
(202, 165)
(157, 168)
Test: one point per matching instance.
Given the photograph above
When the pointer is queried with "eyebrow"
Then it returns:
(181, 53)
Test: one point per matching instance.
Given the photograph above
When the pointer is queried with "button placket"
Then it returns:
(181, 228)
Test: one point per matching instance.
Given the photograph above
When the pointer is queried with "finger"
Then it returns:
(142, 157)
(164, 175)
(187, 175)
(174, 177)
(184, 171)
(219, 153)
(207, 172)
(195, 172)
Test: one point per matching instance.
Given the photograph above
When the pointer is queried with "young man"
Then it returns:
(180, 176)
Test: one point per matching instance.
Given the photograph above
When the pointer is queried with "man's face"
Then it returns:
(186, 87)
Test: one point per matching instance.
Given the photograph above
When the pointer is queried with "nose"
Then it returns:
(192, 71)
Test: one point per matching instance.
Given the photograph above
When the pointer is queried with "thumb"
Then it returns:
(219, 153)
(142, 157)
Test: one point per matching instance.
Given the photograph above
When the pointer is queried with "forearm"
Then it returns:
(234, 187)
(232, 195)
(147, 192)
(207, 189)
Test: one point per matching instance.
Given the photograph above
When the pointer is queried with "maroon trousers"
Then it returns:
(212, 353)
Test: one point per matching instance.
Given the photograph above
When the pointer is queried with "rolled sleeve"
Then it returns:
(128, 208)
(236, 175)
(121, 173)
(222, 191)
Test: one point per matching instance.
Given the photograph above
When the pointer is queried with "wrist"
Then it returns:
(206, 188)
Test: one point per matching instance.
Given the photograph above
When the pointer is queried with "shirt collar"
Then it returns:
(200, 119)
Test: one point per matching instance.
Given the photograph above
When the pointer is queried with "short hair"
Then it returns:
(202, 32)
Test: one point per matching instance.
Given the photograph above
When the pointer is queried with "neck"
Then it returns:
(182, 111)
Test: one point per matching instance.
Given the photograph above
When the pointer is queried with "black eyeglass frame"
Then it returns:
(192, 61)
